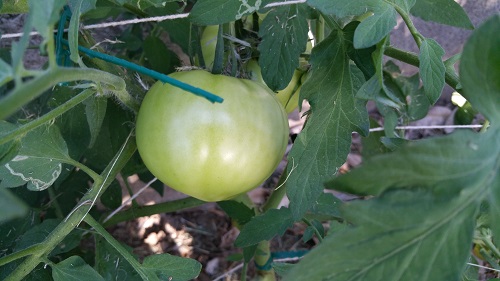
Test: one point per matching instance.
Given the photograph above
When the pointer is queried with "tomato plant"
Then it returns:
(204, 149)
(80, 135)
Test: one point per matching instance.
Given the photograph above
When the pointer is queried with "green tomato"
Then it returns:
(211, 151)
(208, 43)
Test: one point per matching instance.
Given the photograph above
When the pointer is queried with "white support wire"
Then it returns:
(430, 127)
(141, 20)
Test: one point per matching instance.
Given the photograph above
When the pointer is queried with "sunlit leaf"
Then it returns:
(403, 235)
(168, 267)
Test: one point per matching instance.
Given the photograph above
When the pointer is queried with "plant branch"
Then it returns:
(279, 192)
(411, 58)
(316, 231)
(72, 221)
(143, 211)
(413, 30)
(28, 91)
(20, 254)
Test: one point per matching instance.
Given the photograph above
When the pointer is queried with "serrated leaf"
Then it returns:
(78, 7)
(95, 111)
(168, 267)
(432, 69)
(10, 206)
(403, 235)
(74, 268)
(480, 69)
(211, 12)
(446, 12)
(461, 158)
(264, 227)
(376, 27)
(322, 146)
(39, 161)
(284, 38)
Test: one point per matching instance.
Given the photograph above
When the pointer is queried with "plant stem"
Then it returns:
(47, 117)
(95, 177)
(20, 254)
(51, 52)
(118, 247)
(262, 261)
(28, 91)
(412, 58)
(72, 221)
(413, 30)
(143, 211)
(275, 198)
(319, 32)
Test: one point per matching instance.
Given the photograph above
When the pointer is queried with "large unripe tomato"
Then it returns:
(211, 151)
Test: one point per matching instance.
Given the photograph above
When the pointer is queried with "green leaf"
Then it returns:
(446, 12)
(10, 206)
(327, 205)
(211, 12)
(264, 227)
(112, 197)
(376, 27)
(322, 146)
(78, 7)
(45, 14)
(13, 6)
(158, 56)
(344, 8)
(361, 57)
(110, 264)
(73, 124)
(38, 233)
(284, 38)
(39, 161)
(74, 268)
(95, 110)
(432, 69)
(8, 150)
(6, 73)
(480, 69)
(168, 267)
(461, 158)
(237, 211)
(405, 5)
(403, 235)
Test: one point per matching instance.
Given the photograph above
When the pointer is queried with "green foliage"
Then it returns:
(446, 12)
(284, 38)
(67, 133)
